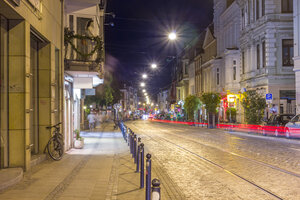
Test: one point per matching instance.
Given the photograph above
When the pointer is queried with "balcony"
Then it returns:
(84, 55)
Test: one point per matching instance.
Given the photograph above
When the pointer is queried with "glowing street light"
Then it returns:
(144, 76)
(154, 66)
(143, 84)
(172, 36)
(144, 90)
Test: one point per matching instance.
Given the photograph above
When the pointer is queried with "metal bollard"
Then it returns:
(155, 189)
(125, 135)
(142, 166)
(131, 142)
(148, 177)
(134, 147)
(138, 155)
(128, 138)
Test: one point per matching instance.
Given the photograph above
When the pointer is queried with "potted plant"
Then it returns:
(79, 141)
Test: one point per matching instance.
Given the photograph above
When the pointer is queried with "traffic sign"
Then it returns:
(269, 96)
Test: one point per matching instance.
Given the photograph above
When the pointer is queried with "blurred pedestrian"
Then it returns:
(92, 120)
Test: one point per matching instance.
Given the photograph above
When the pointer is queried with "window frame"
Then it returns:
(263, 46)
(290, 46)
(218, 76)
(258, 63)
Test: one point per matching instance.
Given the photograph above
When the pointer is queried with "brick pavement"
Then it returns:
(104, 169)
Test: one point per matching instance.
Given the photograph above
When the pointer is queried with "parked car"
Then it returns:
(275, 125)
(292, 129)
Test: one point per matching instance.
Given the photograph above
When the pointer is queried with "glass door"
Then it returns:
(3, 92)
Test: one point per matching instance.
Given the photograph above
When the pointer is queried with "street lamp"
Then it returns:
(143, 84)
(144, 76)
(144, 90)
(154, 66)
(172, 36)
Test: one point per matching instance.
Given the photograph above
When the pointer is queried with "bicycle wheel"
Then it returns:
(55, 149)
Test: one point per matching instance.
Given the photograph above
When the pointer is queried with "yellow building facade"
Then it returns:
(31, 78)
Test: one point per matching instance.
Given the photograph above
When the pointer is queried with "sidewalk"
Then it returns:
(104, 169)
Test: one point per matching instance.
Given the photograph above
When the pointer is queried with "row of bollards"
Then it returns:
(137, 151)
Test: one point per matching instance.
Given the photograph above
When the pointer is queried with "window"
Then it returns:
(234, 70)
(286, 6)
(186, 68)
(258, 56)
(248, 10)
(234, 73)
(218, 76)
(257, 9)
(71, 22)
(287, 52)
(243, 62)
(263, 7)
(264, 54)
(243, 19)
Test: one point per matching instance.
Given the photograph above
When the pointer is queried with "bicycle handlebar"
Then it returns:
(54, 126)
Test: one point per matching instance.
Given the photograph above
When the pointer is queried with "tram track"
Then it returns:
(211, 162)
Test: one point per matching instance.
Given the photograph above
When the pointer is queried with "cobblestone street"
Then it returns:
(214, 164)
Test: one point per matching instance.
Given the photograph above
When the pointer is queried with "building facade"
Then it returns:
(267, 50)
(129, 99)
(84, 57)
(31, 78)
(297, 51)
(227, 20)
(162, 100)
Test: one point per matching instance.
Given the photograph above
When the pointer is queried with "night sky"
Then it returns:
(139, 36)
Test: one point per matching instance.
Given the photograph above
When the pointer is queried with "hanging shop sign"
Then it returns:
(90, 92)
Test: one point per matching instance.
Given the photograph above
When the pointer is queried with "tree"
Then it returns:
(108, 96)
(191, 105)
(254, 105)
(211, 101)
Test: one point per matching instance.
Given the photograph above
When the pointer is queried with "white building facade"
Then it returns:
(267, 44)
(297, 51)
(227, 20)
(162, 100)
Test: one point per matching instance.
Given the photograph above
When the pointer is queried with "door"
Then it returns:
(4, 93)
(34, 94)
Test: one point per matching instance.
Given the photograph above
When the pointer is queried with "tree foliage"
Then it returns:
(108, 96)
(211, 101)
(254, 105)
(191, 105)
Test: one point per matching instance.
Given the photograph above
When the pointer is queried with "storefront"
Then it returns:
(31, 67)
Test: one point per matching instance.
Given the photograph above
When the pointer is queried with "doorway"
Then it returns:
(4, 150)
(35, 44)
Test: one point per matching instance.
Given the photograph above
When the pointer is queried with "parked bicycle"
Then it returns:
(55, 145)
